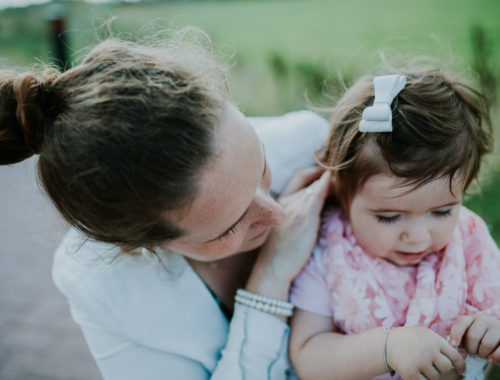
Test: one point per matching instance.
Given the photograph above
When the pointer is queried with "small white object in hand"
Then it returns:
(474, 368)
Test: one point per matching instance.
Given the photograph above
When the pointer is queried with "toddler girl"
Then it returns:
(400, 264)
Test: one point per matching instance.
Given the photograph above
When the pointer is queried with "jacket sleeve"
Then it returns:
(256, 349)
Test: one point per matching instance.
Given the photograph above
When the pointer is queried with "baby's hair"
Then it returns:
(441, 128)
(123, 136)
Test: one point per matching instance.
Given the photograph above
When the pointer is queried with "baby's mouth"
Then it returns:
(412, 254)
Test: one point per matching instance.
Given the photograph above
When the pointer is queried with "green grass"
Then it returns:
(343, 36)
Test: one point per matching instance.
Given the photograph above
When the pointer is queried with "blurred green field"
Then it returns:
(284, 50)
(330, 37)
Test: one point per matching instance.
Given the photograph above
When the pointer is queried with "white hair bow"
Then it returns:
(378, 117)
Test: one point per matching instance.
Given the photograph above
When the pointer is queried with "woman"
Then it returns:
(168, 189)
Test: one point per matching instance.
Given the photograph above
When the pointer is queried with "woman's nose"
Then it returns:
(271, 213)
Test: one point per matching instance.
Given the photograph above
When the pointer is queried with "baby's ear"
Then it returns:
(336, 192)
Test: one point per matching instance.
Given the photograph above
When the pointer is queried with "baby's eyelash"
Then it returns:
(387, 219)
(226, 234)
(442, 213)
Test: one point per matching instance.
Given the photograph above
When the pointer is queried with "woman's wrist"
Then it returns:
(264, 303)
(266, 282)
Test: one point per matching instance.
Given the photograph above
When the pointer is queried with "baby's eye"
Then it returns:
(442, 213)
(387, 218)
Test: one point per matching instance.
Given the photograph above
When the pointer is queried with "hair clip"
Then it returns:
(378, 117)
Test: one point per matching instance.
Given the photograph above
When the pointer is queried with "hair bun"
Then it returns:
(27, 90)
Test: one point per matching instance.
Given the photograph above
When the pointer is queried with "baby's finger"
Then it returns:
(420, 376)
(430, 372)
(495, 356)
(454, 356)
(443, 364)
(474, 335)
(459, 328)
(489, 343)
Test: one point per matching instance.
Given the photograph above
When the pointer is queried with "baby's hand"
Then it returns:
(418, 352)
(479, 334)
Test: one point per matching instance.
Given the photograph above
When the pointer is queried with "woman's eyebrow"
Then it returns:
(246, 211)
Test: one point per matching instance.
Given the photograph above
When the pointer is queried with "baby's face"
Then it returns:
(403, 224)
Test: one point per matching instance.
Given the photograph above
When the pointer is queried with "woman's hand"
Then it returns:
(418, 353)
(479, 334)
(289, 245)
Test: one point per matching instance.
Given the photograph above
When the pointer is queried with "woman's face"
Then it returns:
(233, 211)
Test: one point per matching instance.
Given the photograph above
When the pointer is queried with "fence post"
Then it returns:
(57, 33)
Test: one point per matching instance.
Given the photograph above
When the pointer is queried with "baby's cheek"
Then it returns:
(441, 237)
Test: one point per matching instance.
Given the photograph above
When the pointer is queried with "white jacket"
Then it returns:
(151, 317)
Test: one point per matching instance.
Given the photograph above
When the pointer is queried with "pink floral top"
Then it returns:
(360, 291)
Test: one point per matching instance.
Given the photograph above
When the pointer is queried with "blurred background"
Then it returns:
(286, 55)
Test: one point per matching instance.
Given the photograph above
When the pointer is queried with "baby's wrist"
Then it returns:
(385, 351)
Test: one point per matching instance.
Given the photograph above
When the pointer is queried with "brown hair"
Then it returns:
(122, 137)
(441, 126)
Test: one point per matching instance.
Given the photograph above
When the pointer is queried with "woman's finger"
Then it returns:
(301, 179)
(319, 191)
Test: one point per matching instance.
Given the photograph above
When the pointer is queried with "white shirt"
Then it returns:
(151, 316)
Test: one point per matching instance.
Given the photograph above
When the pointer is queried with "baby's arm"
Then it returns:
(317, 352)
(479, 334)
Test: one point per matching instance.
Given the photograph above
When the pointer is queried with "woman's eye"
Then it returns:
(227, 233)
(445, 212)
(387, 219)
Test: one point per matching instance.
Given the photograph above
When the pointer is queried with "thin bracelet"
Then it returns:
(387, 330)
(263, 303)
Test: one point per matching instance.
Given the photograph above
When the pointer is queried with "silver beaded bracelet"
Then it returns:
(263, 303)
(387, 330)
